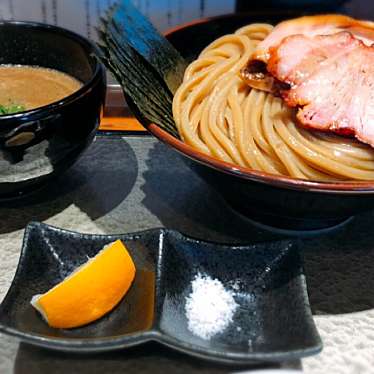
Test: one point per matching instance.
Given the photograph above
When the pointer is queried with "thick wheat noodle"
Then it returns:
(219, 115)
(253, 116)
(329, 152)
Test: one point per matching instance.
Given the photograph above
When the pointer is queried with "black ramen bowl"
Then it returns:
(39, 144)
(279, 202)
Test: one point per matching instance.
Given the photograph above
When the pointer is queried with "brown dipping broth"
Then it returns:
(33, 86)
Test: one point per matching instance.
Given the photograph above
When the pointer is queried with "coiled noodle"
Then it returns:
(219, 115)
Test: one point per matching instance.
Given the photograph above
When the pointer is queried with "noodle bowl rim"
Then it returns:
(343, 187)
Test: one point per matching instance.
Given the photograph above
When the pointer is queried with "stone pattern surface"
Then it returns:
(130, 184)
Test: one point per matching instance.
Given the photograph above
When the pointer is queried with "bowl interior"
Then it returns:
(47, 46)
(204, 31)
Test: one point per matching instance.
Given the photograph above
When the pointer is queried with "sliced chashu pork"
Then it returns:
(331, 80)
(329, 77)
(314, 25)
(255, 73)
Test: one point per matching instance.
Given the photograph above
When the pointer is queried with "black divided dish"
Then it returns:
(273, 321)
(39, 144)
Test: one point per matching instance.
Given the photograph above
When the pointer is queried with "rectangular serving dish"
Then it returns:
(273, 321)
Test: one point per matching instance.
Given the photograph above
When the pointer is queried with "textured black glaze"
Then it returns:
(273, 312)
(59, 131)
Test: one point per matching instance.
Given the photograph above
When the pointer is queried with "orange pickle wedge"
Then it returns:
(91, 291)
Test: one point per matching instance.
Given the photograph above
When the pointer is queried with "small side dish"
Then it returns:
(25, 87)
(200, 298)
(91, 291)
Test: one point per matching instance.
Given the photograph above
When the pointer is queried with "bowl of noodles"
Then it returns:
(247, 143)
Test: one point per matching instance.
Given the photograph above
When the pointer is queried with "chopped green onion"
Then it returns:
(11, 108)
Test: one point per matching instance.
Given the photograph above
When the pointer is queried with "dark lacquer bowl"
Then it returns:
(280, 202)
(39, 144)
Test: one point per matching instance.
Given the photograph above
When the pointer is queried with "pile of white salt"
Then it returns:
(209, 307)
